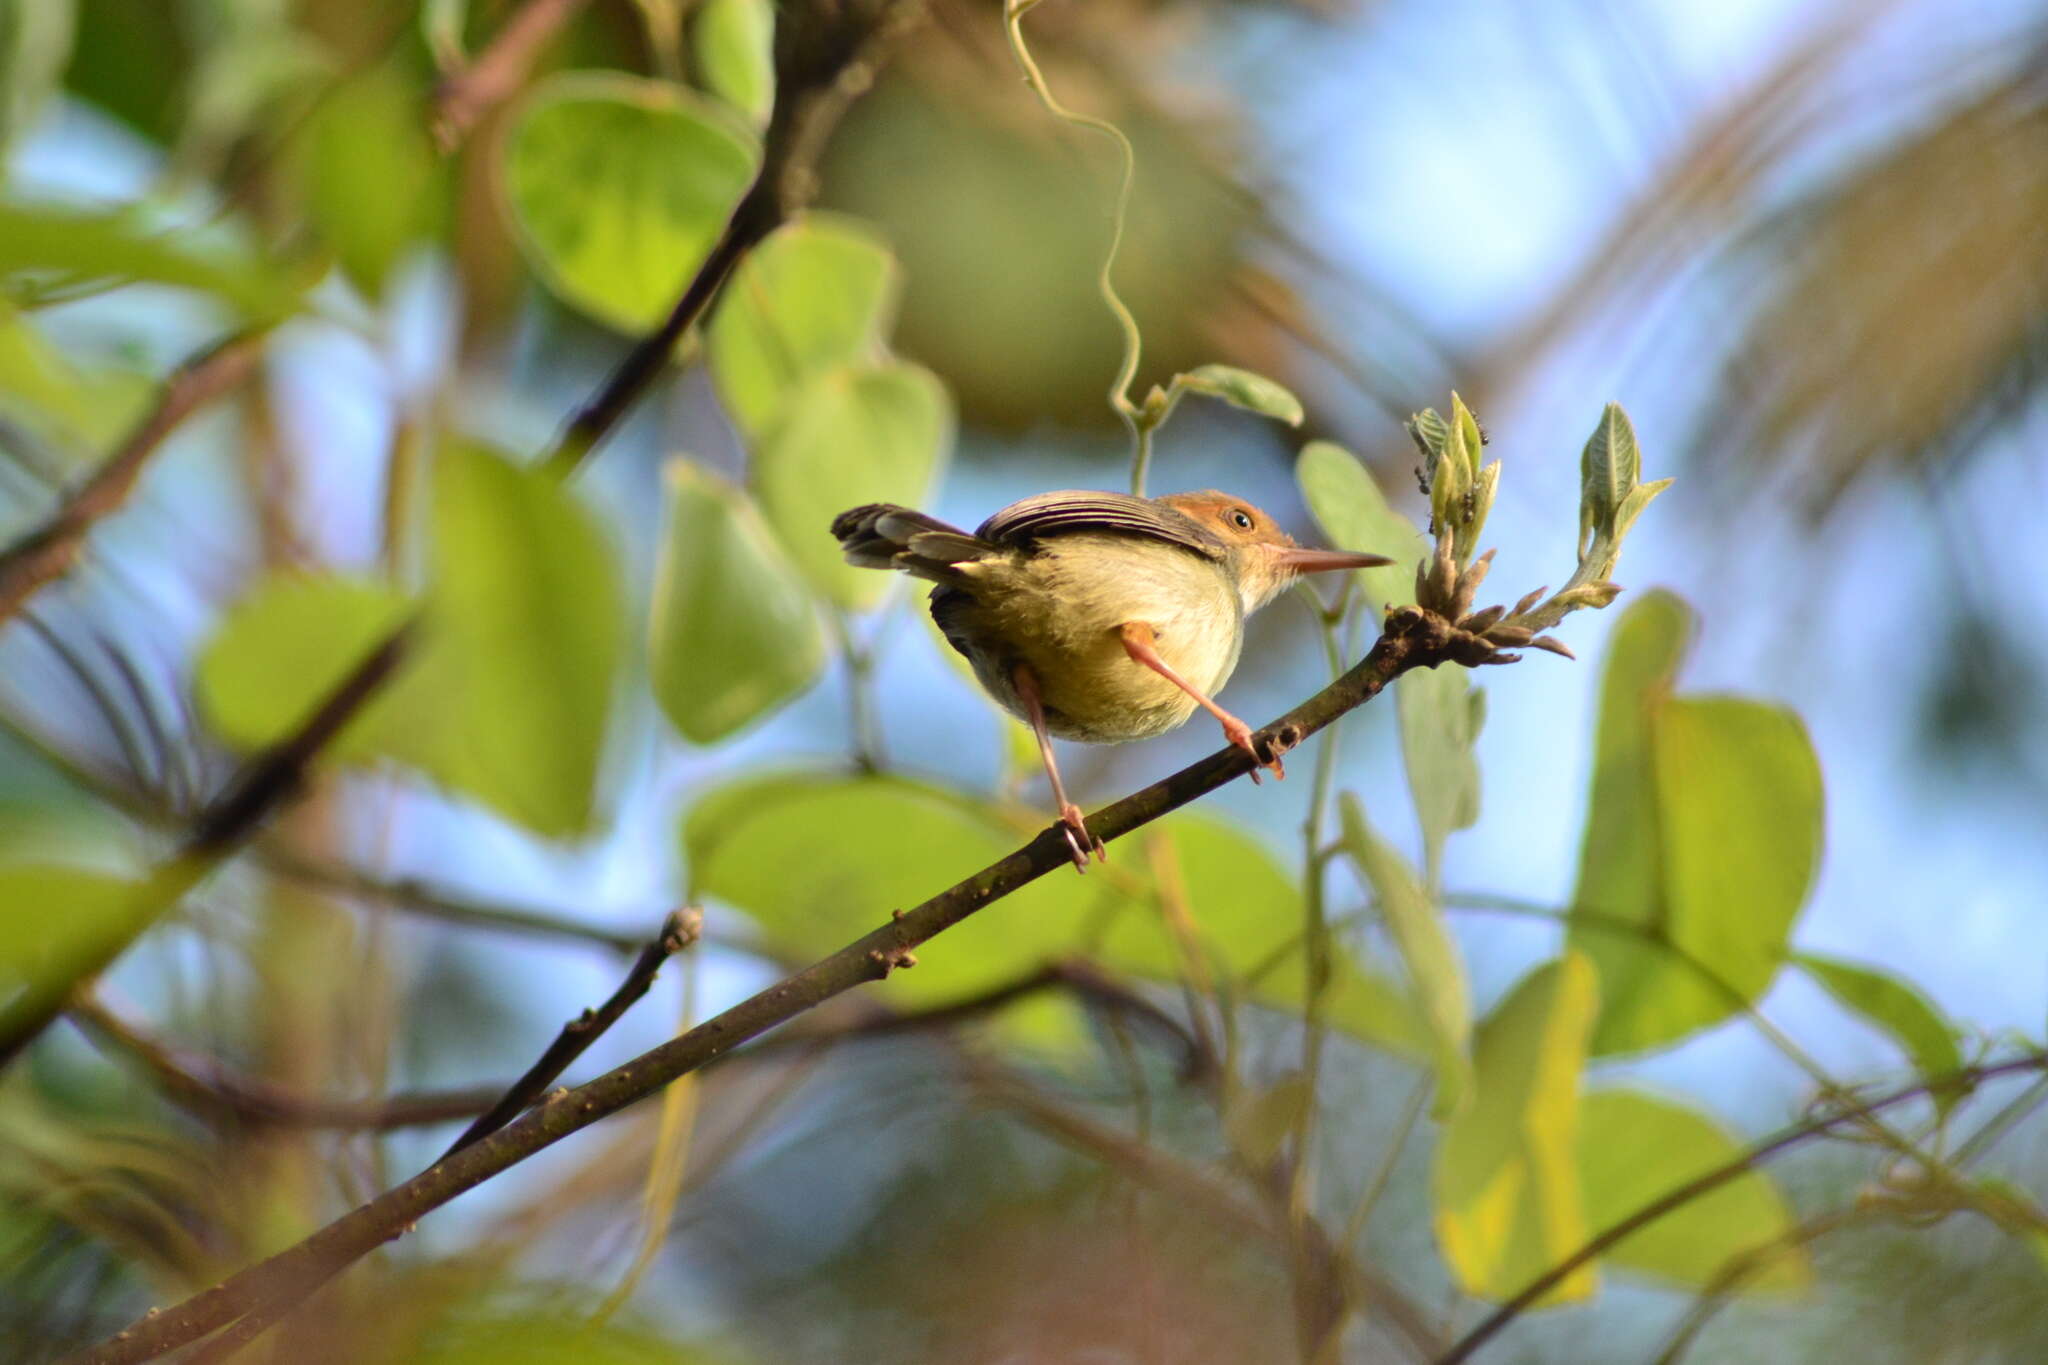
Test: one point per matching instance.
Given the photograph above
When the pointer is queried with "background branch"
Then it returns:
(48, 552)
(208, 1088)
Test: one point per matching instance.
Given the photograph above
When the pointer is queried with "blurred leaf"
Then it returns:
(41, 245)
(40, 387)
(1436, 969)
(1635, 1148)
(541, 1338)
(851, 435)
(1620, 871)
(1355, 515)
(59, 925)
(817, 861)
(1898, 1008)
(1704, 830)
(2016, 1211)
(1243, 389)
(285, 647)
(735, 45)
(1508, 1201)
(526, 614)
(35, 45)
(618, 186)
(734, 632)
(819, 292)
(1440, 713)
(1261, 1117)
(369, 175)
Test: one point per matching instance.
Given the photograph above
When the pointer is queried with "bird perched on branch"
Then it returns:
(1100, 617)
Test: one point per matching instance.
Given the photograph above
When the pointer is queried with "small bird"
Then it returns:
(1100, 617)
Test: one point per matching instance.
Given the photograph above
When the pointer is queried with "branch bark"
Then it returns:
(1411, 639)
(678, 931)
(467, 95)
(49, 552)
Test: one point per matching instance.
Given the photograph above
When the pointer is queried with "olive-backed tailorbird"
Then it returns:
(1095, 616)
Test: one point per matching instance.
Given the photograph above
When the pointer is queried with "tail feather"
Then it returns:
(882, 535)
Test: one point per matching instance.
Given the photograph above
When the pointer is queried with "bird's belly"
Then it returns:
(1070, 640)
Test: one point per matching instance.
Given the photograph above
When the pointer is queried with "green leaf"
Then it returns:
(58, 926)
(1246, 915)
(1702, 838)
(40, 387)
(1635, 1148)
(1436, 970)
(818, 293)
(735, 45)
(1243, 389)
(817, 861)
(40, 245)
(851, 435)
(285, 647)
(1610, 466)
(1508, 1200)
(1440, 713)
(1898, 1008)
(1355, 515)
(368, 174)
(526, 614)
(618, 187)
(734, 633)
(1260, 1118)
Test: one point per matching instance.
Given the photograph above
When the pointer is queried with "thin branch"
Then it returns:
(49, 552)
(1411, 638)
(419, 899)
(827, 56)
(267, 780)
(1755, 1156)
(681, 929)
(208, 1088)
(499, 70)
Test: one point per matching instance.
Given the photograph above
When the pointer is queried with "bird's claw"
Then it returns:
(1265, 756)
(1080, 843)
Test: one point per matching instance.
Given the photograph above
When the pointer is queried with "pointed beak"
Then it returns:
(1300, 560)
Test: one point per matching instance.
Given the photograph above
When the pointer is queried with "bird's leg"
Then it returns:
(1137, 638)
(1079, 841)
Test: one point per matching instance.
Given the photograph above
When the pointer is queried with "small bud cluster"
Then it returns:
(1461, 494)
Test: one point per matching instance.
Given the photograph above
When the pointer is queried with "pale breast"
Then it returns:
(1060, 610)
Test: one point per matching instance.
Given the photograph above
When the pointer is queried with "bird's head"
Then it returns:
(1263, 557)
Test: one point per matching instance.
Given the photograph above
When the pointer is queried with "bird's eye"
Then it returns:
(1241, 519)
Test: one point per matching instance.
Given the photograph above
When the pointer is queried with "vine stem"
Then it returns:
(1120, 389)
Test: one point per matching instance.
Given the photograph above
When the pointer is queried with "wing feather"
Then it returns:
(1075, 511)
